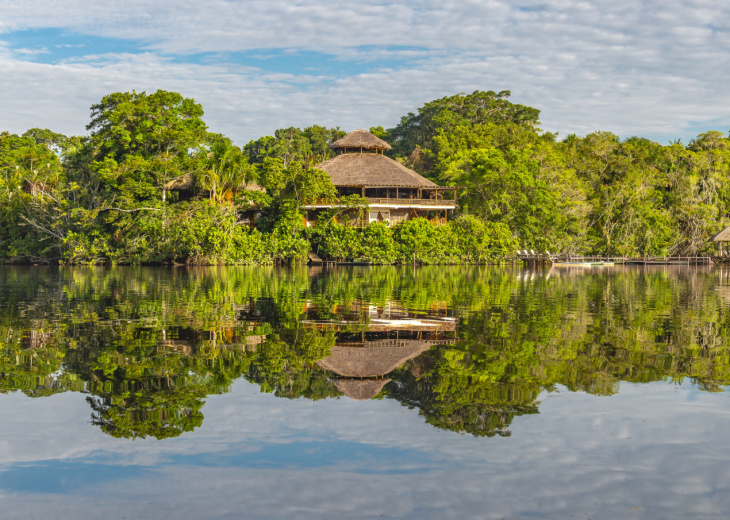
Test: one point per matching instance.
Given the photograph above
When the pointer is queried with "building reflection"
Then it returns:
(372, 341)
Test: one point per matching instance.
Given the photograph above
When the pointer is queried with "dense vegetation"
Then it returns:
(147, 346)
(101, 198)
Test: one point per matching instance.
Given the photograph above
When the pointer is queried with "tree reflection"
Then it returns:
(156, 414)
(469, 349)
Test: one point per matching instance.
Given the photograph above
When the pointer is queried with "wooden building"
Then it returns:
(361, 368)
(395, 193)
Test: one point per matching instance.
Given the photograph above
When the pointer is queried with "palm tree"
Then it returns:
(226, 171)
(38, 168)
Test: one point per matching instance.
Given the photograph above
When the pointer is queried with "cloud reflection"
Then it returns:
(653, 451)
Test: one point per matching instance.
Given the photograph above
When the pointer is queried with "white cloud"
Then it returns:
(31, 52)
(633, 68)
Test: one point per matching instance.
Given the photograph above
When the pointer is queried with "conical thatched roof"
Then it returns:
(369, 169)
(360, 139)
(722, 236)
(360, 389)
(370, 361)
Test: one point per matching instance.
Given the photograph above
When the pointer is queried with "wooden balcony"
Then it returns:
(412, 202)
(373, 201)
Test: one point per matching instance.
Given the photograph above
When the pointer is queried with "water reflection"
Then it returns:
(470, 348)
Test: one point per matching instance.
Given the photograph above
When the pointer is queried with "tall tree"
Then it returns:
(445, 114)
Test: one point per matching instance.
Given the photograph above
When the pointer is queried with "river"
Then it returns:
(364, 392)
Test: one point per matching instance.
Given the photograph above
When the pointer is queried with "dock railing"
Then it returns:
(533, 258)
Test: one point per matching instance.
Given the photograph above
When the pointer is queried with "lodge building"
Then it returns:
(395, 193)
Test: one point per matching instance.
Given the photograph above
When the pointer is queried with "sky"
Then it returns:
(651, 68)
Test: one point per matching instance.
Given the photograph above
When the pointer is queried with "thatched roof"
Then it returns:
(371, 361)
(370, 170)
(182, 183)
(360, 389)
(186, 183)
(360, 139)
(722, 236)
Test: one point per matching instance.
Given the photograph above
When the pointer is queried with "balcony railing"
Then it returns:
(399, 202)
(415, 202)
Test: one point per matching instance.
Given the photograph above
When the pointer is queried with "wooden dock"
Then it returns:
(536, 259)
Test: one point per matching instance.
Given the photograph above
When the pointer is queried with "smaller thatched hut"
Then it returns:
(182, 183)
(720, 238)
(360, 140)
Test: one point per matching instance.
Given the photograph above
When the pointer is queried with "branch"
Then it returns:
(38, 226)
(37, 259)
(130, 210)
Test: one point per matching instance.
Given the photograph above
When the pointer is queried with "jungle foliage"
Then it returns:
(592, 194)
(101, 198)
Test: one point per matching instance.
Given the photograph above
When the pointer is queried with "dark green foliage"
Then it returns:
(377, 244)
(31, 179)
(448, 113)
(147, 346)
(465, 240)
(476, 241)
(159, 125)
(310, 146)
(102, 198)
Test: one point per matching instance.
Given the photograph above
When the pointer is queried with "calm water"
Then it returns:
(364, 393)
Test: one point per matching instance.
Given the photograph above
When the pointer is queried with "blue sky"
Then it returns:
(656, 69)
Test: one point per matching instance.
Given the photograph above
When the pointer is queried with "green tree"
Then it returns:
(159, 125)
(445, 114)
(225, 171)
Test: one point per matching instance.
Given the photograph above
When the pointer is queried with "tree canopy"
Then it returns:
(103, 197)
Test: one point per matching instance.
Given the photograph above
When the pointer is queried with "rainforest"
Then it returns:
(103, 197)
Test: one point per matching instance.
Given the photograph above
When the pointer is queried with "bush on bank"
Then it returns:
(205, 233)
(463, 240)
